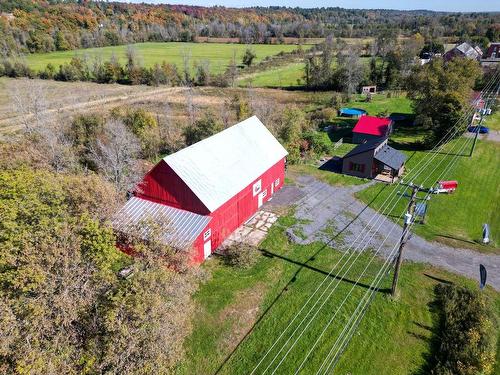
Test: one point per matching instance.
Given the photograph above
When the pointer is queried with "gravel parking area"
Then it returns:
(332, 215)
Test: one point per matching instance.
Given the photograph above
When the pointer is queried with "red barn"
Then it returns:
(205, 191)
(371, 129)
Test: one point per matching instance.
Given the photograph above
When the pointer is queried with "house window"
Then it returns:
(357, 167)
(257, 187)
(277, 182)
(264, 193)
(207, 234)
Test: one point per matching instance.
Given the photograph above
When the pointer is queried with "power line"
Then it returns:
(419, 171)
(353, 327)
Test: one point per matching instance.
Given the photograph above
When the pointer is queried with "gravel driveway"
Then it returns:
(332, 215)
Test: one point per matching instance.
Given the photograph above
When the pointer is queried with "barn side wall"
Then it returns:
(162, 185)
(227, 218)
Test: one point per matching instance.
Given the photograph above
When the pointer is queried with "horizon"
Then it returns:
(414, 5)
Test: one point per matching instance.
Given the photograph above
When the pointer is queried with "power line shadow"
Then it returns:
(302, 265)
(329, 274)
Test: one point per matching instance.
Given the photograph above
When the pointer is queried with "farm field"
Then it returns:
(217, 54)
(289, 75)
(240, 313)
(456, 219)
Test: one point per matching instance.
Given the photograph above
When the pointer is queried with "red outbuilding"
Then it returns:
(201, 194)
(370, 128)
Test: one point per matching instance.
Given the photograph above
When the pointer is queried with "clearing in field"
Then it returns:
(218, 55)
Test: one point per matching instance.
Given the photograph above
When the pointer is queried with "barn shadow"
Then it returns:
(304, 265)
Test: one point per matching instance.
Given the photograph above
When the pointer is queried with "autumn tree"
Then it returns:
(64, 309)
(441, 93)
(115, 155)
(202, 128)
(350, 71)
(240, 106)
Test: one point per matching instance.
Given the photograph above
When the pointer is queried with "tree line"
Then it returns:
(44, 26)
(199, 73)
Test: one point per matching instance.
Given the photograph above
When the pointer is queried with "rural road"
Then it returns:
(331, 214)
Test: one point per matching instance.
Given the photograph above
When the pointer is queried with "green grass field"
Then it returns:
(381, 103)
(456, 218)
(290, 75)
(241, 313)
(218, 54)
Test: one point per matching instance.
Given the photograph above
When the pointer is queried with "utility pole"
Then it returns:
(409, 218)
(404, 236)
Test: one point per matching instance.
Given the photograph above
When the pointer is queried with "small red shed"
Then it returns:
(370, 128)
(205, 191)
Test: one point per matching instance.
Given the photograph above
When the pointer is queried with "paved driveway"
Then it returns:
(332, 215)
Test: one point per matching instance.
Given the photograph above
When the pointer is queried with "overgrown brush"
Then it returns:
(468, 332)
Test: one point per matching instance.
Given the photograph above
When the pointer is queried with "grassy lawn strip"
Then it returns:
(456, 219)
(394, 337)
(218, 54)
(290, 75)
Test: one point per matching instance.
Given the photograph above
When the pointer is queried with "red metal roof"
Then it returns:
(372, 125)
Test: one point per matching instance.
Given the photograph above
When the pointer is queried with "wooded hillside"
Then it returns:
(49, 25)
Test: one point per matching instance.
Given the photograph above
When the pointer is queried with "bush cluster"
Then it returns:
(81, 69)
(241, 255)
(468, 334)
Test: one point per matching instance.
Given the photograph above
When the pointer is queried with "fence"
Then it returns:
(338, 143)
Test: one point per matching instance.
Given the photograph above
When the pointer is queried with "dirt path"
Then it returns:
(11, 124)
(332, 215)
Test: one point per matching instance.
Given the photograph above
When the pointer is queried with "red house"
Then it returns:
(202, 193)
(370, 128)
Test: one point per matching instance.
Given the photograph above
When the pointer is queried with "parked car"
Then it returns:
(482, 129)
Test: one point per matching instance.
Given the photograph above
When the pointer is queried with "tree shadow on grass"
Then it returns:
(434, 342)
(302, 266)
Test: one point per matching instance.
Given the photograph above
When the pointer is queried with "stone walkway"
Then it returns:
(253, 231)
(332, 215)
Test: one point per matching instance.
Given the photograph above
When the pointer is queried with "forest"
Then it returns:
(56, 25)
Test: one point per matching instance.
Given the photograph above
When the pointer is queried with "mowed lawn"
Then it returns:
(218, 55)
(456, 218)
(241, 313)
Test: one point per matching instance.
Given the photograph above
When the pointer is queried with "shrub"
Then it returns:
(48, 73)
(324, 116)
(248, 57)
(241, 255)
(205, 127)
(139, 121)
(337, 101)
(467, 332)
(318, 142)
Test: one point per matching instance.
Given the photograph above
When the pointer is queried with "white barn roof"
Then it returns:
(220, 166)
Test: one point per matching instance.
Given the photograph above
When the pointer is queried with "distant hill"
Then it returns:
(49, 25)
